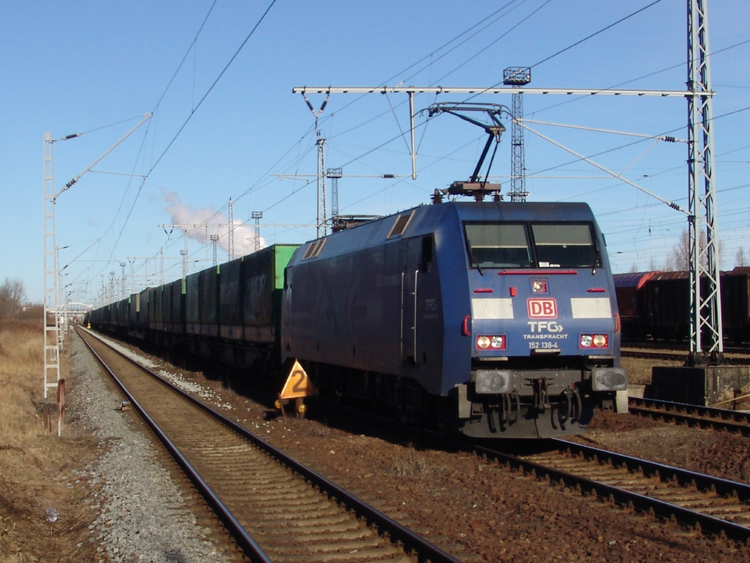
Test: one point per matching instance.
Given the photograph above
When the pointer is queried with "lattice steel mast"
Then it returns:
(334, 174)
(705, 309)
(516, 77)
(52, 334)
(230, 217)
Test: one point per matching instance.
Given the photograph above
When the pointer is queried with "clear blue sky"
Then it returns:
(95, 67)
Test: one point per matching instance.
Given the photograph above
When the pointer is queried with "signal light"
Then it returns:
(495, 342)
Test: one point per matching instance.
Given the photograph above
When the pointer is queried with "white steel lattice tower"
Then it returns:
(705, 308)
(52, 333)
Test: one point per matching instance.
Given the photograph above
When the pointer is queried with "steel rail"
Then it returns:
(238, 532)
(638, 501)
(684, 476)
(721, 419)
(633, 345)
(410, 541)
(677, 356)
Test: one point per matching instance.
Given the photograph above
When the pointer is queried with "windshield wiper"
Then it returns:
(474, 260)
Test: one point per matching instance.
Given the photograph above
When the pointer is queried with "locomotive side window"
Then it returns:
(425, 264)
(498, 245)
(565, 245)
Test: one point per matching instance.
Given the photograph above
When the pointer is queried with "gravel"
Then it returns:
(142, 513)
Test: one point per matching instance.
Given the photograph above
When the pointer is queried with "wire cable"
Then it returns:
(190, 116)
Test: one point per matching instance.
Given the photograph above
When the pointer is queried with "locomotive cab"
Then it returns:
(542, 324)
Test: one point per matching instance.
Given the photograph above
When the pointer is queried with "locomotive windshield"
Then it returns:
(498, 245)
(531, 245)
(564, 245)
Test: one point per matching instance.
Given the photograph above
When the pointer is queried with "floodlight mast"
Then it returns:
(257, 216)
(334, 174)
(214, 240)
(517, 77)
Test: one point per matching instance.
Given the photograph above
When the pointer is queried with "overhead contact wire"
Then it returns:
(192, 112)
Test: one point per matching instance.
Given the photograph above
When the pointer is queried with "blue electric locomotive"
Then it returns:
(493, 319)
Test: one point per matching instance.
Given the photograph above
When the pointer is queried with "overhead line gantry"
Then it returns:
(705, 308)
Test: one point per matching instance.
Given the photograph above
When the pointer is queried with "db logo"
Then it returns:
(542, 308)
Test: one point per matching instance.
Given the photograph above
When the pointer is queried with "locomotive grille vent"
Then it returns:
(400, 224)
(314, 249)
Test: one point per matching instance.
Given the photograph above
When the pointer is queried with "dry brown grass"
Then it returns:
(36, 465)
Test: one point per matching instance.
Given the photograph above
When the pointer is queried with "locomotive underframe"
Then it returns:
(541, 402)
(521, 397)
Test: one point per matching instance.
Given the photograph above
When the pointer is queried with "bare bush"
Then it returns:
(12, 295)
(739, 258)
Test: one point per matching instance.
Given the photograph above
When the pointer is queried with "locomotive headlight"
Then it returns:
(609, 379)
(539, 286)
(594, 341)
(493, 342)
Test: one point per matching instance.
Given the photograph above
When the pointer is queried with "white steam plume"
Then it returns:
(200, 224)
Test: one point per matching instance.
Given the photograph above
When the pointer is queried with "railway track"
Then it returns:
(700, 502)
(679, 352)
(275, 508)
(675, 356)
(692, 415)
(678, 347)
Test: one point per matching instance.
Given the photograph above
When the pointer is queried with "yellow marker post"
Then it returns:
(297, 386)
